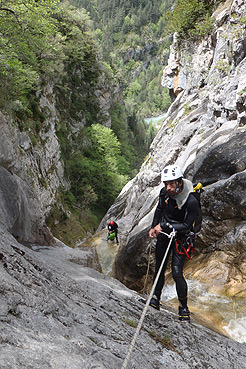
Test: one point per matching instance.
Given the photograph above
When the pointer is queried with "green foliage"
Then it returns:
(204, 27)
(223, 66)
(70, 224)
(69, 198)
(164, 340)
(133, 89)
(243, 91)
(190, 17)
(48, 40)
(127, 31)
(187, 109)
(63, 135)
(81, 68)
(94, 168)
(89, 197)
(130, 155)
(130, 322)
(26, 31)
(43, 41)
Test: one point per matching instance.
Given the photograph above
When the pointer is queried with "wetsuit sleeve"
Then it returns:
(190, 216)
(159, 208)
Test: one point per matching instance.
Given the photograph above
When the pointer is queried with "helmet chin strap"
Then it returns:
(179, 186)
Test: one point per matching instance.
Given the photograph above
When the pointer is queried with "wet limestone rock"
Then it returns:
(56, 313)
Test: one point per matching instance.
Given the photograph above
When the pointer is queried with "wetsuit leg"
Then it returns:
(160, 249)
(116, 236)
(177, 273)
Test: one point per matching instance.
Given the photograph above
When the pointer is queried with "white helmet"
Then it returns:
(171, 172)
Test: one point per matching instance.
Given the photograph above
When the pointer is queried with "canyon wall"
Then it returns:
(204, 133)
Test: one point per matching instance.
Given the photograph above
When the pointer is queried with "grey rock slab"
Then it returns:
(59, 314)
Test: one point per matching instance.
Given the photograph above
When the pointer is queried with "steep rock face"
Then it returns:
(204, 133)
(56, 313)
(30, 176)
(19, 210)
(32, 170)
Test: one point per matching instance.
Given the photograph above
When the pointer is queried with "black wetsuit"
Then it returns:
(113, 228)
(182, 221)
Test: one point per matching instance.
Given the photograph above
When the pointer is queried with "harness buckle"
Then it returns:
(188, 247)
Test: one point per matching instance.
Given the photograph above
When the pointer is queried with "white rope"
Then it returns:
(125, 362)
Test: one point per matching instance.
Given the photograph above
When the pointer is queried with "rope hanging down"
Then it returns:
(125, 362)
(147, 273)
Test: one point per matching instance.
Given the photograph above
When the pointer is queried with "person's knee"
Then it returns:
(177, 272)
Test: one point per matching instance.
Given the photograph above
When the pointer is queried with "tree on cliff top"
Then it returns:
(26, 32)
(190, 17)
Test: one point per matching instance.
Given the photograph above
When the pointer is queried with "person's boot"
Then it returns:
(155, 302)
(184, 313)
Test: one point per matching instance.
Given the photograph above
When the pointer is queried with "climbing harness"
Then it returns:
(188, 246)
(125, 362)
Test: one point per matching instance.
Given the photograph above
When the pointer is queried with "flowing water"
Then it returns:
(106, 253)
(155, 120)
(226, 314)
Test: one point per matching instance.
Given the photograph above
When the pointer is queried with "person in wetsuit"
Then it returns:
(113, 228)
(177, 209)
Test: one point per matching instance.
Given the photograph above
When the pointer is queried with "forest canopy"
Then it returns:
(27, 42)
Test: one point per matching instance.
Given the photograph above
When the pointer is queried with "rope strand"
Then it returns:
(147, 273)
(125, 362)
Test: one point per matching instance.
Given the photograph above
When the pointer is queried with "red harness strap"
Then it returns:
(187, 249)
